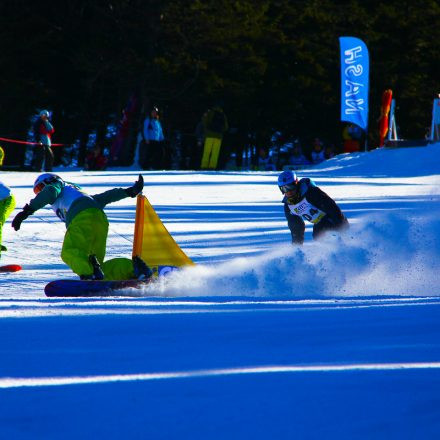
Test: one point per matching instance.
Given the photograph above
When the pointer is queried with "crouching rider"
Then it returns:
(84, 244)
(304, 201)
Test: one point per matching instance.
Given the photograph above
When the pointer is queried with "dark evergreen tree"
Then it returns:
(274, 64)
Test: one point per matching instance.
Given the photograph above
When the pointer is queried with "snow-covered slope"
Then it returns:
(337, 339)
(233, 225)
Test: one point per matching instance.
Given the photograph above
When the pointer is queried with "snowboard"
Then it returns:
(10, 268)
(90, 288)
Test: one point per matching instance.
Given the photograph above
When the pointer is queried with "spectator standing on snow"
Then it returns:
(317, 153)
(329, 151)
(215, 125)
(43, 131)
(95, 159)
(351, 136)
(297, 158)
(152, 152)
(304, 201)
(265, 162)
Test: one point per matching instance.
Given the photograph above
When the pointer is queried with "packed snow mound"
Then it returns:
(384, 162)
(374, 257)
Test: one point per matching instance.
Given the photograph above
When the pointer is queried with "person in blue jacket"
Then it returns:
(152, 152)
(304, 201)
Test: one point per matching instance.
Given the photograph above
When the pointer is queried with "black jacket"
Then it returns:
(334, 218)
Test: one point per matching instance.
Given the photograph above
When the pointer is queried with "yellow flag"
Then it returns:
(153, 243)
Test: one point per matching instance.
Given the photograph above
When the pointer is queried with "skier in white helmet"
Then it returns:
(304, 201)
(85, 240)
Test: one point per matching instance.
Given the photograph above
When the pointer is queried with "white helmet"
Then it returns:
(45, 179)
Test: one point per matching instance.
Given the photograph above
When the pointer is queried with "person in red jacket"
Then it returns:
(43, 131)
(95, 159)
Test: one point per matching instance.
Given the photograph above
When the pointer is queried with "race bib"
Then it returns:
(63, 203)
(307, 211)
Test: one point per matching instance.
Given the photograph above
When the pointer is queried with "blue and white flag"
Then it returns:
(355, 67)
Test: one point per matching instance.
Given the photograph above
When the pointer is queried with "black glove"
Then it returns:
(134, 190)
(22, 215)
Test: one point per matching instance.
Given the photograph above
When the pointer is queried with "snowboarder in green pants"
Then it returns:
(85, 240)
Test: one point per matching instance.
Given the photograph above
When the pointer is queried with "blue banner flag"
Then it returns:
(355, 67)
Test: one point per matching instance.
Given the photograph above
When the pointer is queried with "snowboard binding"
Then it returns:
(98, 274)
(141, 269)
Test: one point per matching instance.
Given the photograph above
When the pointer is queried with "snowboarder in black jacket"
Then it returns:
(303, 200)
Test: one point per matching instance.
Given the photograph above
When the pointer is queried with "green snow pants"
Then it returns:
(211, 151)
(7, 205)
(87, 235)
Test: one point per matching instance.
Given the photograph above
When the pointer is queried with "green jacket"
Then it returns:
(50, 194)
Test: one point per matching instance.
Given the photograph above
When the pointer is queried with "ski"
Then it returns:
(89, 288)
